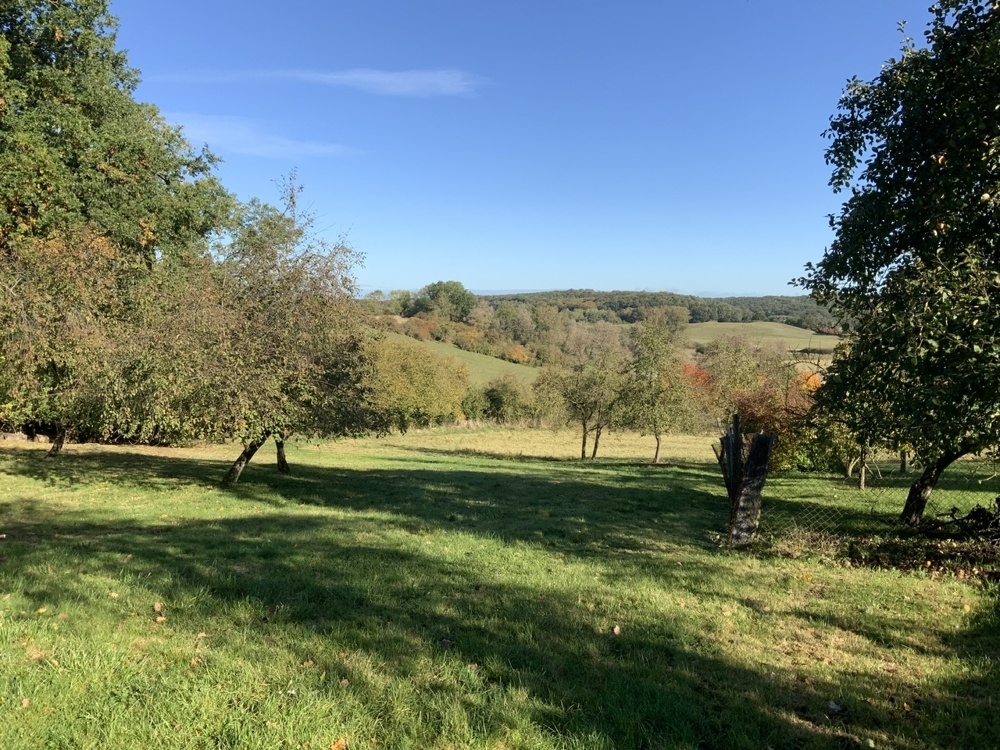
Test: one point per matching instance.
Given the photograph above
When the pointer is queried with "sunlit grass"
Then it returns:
(481, 368)
(795, 339)
(448, 589)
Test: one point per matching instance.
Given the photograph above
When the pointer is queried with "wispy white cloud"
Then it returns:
(240, 135)
(419, 83)
(396, 83)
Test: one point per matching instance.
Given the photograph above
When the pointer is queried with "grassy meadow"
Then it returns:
(481, 368)
(455, 588)
(794, 339)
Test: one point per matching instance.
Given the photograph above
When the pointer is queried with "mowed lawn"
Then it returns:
(454, 589)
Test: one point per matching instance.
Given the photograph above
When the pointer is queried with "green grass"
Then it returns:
(454, 589)
(482, 369)
(795, 339)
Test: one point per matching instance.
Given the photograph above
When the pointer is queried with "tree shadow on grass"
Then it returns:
(119, 466)
(654, 685)
(575, 512)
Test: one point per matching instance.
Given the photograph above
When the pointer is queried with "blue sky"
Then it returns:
(533, 145)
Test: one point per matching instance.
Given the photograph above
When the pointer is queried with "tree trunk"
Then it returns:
(746, 511)
(233, 475)
(849, 467)
(904, 461)
(583, 446)
(744, 472)
(920, 491)
(279, 443)
(863, 471)
(597, 442)
(656, 456)
(58, 440)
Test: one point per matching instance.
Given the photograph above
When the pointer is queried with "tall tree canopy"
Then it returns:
(96, 192)
(914, 270)
(138, 300)
(76, 148)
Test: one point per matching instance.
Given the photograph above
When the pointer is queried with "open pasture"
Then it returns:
(454, 589)
(482, 368)
(793, 338)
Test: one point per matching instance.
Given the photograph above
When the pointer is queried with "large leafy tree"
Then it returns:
(448, 299)
(97, 195)
(914, 270)
(293, 356)
(76, 148)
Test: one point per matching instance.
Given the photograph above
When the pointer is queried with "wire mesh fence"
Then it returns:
(818, 502)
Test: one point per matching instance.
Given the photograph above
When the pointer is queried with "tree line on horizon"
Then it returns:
(534, 328)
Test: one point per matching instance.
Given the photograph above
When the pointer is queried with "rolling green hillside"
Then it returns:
(482, 369)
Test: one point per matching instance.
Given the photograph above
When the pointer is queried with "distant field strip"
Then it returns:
(796, 339)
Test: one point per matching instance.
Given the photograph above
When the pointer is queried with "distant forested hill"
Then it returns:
(800, 311)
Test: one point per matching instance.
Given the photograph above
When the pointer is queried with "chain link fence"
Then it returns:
(818, 502)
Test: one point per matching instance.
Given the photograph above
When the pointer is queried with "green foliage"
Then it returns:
(414, 386)
(508, 400)
(914, 270)
(449, 300)
(657, 397)
(591, 390)
(97, 196)
(76, 150)
(292, 343)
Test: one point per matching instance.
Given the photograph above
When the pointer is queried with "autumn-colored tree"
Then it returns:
(760, 384)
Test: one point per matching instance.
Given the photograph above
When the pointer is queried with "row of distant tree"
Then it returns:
(451, 299)
(538, 328)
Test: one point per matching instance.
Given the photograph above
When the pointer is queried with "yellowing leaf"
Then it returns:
(340, 744)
